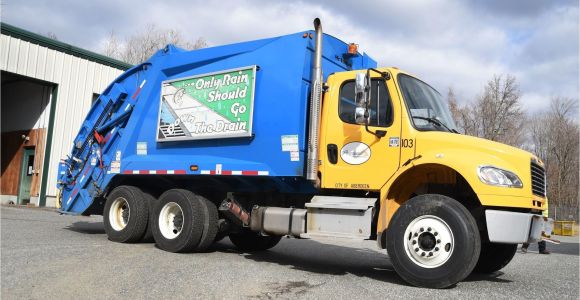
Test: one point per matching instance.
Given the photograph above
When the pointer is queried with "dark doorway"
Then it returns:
(25, 116)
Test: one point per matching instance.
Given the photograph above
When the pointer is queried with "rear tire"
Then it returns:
(495, 257)
(433, 241)
(210, 226)
(184, 222)
(148, 236)
(249, 241)
(126, 214)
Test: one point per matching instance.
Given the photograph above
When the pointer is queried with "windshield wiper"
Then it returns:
(436, 122)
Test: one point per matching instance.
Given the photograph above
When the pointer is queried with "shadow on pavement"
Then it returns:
(315, 257)
(493, 277)
(322, 258)
(87, 227)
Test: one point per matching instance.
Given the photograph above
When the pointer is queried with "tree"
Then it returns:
(139, 47)
(51, 35)
(112, 47)
(495, 115)
(460, 113)
(498, 111)
(554, 137)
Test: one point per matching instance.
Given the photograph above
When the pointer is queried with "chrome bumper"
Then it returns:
(515, 228)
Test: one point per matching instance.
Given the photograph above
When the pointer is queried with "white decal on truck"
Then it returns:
(394, 142)
(294, 156)
(141, 148)
(355, 153)
(290, 143)
(115, 167)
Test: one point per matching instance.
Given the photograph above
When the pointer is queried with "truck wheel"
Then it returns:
(433, 241)
(148, 236)
(249, 241)
(494, 257)
(125, 215)
(184, 222)
(210, 228)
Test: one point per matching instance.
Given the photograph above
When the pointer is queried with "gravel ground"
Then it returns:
(46, 256)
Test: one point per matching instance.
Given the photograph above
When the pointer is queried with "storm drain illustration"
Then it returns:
(180, 110)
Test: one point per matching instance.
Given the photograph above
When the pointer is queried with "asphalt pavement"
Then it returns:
(45, 255)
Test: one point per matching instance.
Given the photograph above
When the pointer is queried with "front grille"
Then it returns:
(538, 180)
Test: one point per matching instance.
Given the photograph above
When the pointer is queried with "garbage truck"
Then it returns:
(301, 136)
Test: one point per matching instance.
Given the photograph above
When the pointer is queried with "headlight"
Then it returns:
(498, 177)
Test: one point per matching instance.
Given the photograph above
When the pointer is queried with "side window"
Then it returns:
(380, 107)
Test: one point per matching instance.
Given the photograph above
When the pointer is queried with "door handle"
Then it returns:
(332, 153)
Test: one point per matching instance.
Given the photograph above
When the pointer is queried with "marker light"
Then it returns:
(352, 48)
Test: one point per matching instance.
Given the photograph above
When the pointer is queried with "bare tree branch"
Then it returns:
(554, 137)
(496, 114)
(140, 46)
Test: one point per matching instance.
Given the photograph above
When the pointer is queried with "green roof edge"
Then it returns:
(28, 36)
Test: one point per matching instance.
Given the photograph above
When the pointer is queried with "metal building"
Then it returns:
(47, 89)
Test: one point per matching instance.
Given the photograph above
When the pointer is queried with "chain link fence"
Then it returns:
(563, 212)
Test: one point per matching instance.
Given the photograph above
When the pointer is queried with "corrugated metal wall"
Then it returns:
(77, 80)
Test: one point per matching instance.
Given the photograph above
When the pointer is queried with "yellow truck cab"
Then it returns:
(387, 131)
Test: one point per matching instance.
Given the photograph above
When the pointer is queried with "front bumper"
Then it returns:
(515, 228)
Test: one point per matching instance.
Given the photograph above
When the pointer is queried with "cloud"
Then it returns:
(520, 9)
(459, 44)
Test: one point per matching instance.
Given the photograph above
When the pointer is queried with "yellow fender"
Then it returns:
(464, 162)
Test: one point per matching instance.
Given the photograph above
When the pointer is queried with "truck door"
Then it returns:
(352, 157)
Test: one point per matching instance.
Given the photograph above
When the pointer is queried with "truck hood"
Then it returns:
(466, 154)
(490, 148)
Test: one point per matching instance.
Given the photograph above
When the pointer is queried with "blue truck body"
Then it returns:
(121, 133)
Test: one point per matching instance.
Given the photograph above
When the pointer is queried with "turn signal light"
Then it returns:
(352, 48)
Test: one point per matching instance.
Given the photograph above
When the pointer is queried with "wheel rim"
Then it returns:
(171, 220)
(119, 214)
(429, 241)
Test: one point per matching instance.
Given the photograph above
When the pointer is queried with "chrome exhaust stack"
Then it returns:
(315, 105)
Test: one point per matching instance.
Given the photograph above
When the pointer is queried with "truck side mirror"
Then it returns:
(359, 115)
(361, 110)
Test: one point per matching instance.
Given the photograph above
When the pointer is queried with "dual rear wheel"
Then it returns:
(126, 215)
(185, 222)
(179, 221)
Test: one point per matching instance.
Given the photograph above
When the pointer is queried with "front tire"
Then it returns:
(495, 257)
(125, 215)
(433, 241)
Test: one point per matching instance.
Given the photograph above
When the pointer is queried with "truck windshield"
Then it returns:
(426, 106)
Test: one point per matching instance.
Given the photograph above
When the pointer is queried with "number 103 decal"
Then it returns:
(407, 143)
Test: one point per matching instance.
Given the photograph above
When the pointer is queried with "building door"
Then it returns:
(26, 173)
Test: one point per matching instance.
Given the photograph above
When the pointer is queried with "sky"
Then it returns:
(458, 44)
